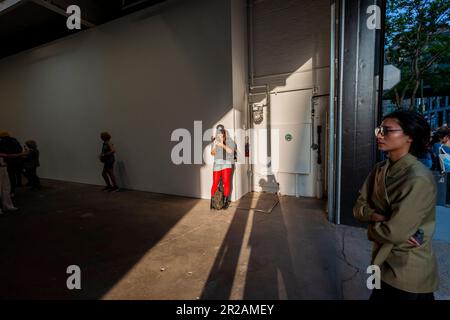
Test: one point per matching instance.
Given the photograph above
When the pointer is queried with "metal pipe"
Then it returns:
(356, 86)
(339, 119)
(292, 90)
(275, 75)
(235, 143)
(313, 115)
(268, 120)
(251, 76)
(260, 86)
(250, 40)
(250, 154)
(331, 204)
(321, 95)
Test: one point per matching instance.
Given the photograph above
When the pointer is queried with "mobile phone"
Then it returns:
(418, 236)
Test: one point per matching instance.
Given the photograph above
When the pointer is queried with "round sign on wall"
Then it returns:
(288, 137)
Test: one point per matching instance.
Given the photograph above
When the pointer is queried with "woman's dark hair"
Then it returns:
(105, 136)
(416, 127)
(221, 129)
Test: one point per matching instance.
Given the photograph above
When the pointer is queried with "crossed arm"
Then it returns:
(408, 211)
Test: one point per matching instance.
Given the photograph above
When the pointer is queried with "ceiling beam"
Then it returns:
(49, 5)
(7, 5)
(133, 4)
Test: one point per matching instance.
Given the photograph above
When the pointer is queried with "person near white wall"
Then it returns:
(107, 158)
(5, 186)
(223, 152)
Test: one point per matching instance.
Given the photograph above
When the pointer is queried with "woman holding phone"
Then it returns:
(223, 153)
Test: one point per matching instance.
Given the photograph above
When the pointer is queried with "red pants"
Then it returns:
(226, 176)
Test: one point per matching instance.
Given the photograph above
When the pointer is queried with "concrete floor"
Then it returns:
(138, 245)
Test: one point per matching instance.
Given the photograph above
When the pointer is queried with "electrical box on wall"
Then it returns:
(292, 148)
(291, 132)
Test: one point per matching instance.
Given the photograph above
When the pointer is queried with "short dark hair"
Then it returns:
(416, 127)
(105, 136)
(442, 132)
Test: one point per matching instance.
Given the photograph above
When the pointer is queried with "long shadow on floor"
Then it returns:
(287, 254)
(74, 224)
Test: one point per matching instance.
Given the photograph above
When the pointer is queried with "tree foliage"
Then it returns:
(418, 43)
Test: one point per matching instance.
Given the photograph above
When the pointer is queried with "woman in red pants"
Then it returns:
(223, 152)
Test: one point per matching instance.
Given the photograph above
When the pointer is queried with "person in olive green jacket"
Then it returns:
(398, 200)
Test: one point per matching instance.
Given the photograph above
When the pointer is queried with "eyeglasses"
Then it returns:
(384, 131)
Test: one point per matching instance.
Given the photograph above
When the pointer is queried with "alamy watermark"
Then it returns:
(374, 280)
(195, 148)
(74, 280)
(374, 20)
(74, 18)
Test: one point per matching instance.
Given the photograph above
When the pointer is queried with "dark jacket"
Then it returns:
(31, 160)
(10, 145)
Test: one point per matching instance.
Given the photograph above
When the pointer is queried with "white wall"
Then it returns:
(139, 77)
(240, 86)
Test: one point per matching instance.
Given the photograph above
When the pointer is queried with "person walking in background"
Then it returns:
(5, 187)
(440, 138)
(9, 146)
(443, 151)
(398, 200)
(31, 163)
(107, 157)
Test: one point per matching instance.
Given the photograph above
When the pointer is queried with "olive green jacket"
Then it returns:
(405, 192)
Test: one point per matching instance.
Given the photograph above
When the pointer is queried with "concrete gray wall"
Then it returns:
(139, 77)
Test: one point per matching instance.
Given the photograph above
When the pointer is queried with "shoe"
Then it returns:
(226, 202)
(11, 209)
(211, 205)
(114, 189)
(107, 188)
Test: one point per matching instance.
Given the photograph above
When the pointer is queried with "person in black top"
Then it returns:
(9, 146)
(107, 158)
(5, 188)
(31, 163)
